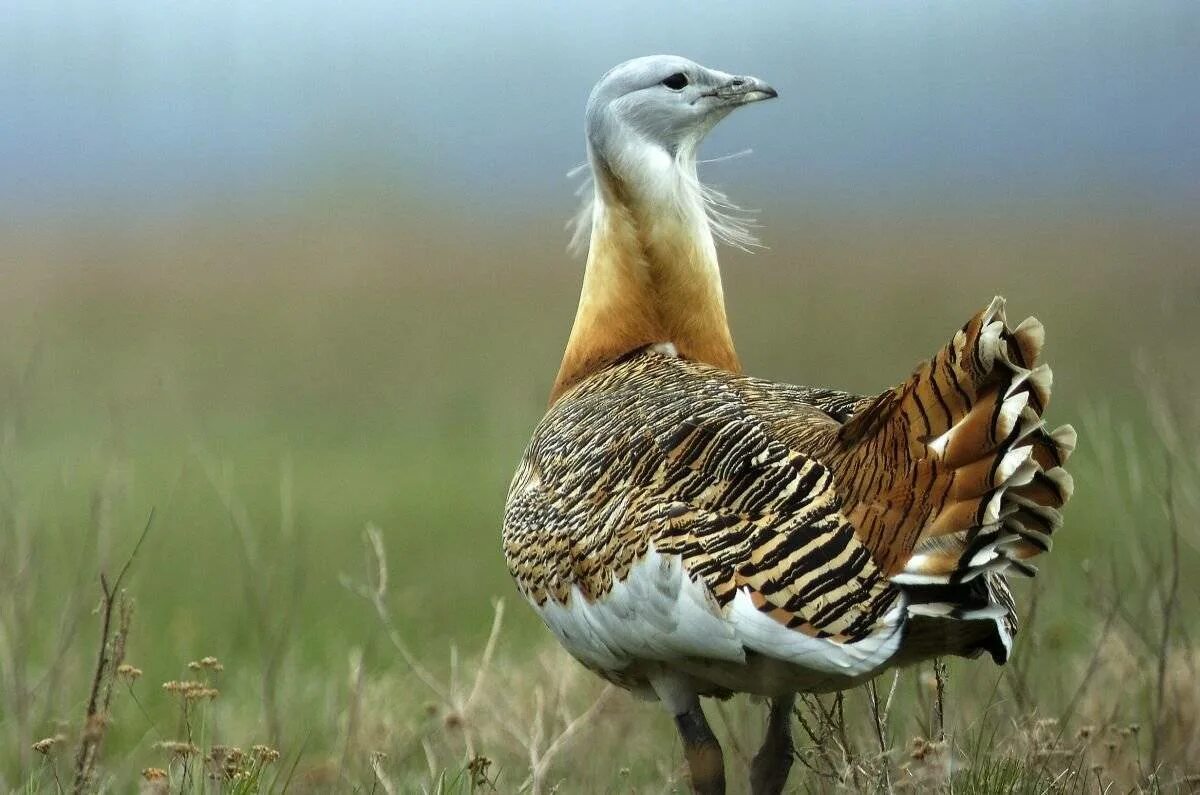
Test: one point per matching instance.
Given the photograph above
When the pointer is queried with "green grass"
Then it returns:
(270, 387)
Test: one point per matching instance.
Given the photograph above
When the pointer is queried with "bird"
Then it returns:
(688, 531)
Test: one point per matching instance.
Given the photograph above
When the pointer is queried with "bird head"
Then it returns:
(662, 104)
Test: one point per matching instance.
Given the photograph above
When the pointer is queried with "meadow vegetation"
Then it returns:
(304, 422)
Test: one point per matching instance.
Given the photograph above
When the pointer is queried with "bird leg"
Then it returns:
(771, 765)
(706, 766)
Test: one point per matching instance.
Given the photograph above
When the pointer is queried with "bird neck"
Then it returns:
(652, 274)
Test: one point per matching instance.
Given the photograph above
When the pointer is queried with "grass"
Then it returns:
(311, 398)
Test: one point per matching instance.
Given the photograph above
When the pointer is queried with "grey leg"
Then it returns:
(706, 765)
(771, 765)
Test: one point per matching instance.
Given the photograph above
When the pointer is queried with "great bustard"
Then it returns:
(686, 531)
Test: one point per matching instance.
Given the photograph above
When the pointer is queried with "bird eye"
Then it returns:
(676, 82)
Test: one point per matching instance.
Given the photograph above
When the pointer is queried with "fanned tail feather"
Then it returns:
(953, 474)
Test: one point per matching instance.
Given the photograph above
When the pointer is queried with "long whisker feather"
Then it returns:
(729, 222)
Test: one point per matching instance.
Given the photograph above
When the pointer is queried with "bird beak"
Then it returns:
(743, 90)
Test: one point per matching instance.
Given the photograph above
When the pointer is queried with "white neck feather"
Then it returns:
(652, 274)
(674, 181)
(668, 197)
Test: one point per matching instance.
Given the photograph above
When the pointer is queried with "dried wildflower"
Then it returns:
(154, 774)
(183, 687)
(206, 664)
(264, 753)
(478, 768)
(230, 753)
(177, 748)
(44, 745)
(921, 749)
(191, 690)
(198, 693)
(128, 672)
(227, 761)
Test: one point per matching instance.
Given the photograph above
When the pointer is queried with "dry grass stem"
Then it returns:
(109, 658)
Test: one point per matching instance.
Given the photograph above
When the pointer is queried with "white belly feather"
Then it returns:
(658, 619)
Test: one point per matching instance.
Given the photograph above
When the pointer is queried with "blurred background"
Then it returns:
(278, 272)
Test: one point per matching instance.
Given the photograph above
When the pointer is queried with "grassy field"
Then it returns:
(272, 385)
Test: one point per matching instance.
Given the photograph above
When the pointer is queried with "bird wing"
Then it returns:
(667, 508)
(659, 462)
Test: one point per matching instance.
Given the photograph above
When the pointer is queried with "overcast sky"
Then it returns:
(151, 104)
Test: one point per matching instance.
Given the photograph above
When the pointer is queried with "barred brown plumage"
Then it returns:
(686, 530)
